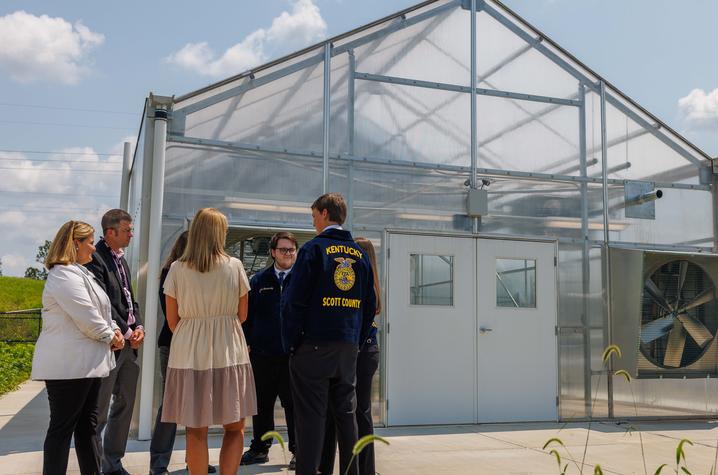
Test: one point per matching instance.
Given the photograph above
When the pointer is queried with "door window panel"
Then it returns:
(431, 280)
(516, 283)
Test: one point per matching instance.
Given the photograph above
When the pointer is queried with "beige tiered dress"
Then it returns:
(209, 375)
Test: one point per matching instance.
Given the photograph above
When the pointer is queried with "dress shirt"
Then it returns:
(117, 258)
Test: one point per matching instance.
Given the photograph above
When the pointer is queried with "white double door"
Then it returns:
(471, 330)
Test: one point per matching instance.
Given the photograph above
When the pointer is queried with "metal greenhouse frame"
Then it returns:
(409, 116)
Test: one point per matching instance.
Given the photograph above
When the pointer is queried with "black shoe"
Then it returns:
(121, 471)
(250, 457)
(210, 469)
(293, 463)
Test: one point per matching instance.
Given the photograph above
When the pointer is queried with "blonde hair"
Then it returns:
(62, 250)
(368, 247)
(205, 243)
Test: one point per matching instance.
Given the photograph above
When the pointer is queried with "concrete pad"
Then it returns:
(513, 449)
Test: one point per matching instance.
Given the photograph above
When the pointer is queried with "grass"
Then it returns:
(17, 293)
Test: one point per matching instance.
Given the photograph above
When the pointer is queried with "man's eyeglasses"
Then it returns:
(287, 251)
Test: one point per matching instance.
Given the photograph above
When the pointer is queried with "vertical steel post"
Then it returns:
(327, 94)
(146, 417)
(606, 258)
(474, 161)
(585, 255)
(125, 183)
(350, 137)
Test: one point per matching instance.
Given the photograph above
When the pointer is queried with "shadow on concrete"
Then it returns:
(25, 431)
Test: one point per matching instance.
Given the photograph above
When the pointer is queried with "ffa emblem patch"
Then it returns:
(344, 276)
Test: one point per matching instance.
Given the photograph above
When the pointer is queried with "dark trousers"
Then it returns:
(367, 364)
(323, 376)
(119, 388)
(163, 437)
(271, 378)
(73, 411)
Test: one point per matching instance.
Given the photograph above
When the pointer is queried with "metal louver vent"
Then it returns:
(676, 322)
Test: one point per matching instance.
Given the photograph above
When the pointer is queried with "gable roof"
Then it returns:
(538, 42)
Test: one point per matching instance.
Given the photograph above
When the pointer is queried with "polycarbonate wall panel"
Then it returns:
(386, 197)
(508, 63)
(528, 136)
(251, 189)
(647, 158)
(436, 49)
(340, 106)
(409, 124)
(536, 208)
(683, 217)
(286, 112)
(580, 317)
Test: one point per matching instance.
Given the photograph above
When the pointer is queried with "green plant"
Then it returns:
(358, 447)
(277, 436)
(15, 364)
(681, 463)
(361, 445)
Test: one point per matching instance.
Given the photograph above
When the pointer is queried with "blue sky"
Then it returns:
(74, 75)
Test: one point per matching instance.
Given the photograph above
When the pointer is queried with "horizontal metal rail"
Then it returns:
(465, 89)
(238, 147)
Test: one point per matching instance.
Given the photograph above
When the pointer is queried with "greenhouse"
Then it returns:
(527, 214)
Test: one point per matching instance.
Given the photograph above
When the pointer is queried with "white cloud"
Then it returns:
(38, 196)
(290, 30)
(14, 264)
(41, 48)
(700, 108)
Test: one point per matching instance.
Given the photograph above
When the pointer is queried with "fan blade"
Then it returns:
(657, 295)
(695, 329)
(656, 329)
(682, 272)
(674, 348)
(704, 297)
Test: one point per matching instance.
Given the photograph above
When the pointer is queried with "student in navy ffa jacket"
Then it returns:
(270, 362)
(328, 308)
(367, 364)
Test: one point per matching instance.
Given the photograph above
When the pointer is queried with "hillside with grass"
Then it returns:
(16, 293)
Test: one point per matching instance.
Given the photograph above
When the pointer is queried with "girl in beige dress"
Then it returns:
(209, 376)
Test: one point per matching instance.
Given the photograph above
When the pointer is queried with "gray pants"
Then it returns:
(119, 389)
(163, 437)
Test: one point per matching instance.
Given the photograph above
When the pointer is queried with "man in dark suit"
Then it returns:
(270, 361)
(110, 267)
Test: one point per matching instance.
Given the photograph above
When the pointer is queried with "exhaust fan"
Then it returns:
(674, 329)
(664, 312)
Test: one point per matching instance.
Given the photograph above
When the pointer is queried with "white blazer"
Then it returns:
(77, 327)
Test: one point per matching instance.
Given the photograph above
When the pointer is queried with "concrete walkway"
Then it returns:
(476, 449)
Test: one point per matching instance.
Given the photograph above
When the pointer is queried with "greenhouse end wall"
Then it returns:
(559, 148)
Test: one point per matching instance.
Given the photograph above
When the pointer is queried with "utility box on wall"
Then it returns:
(477, 203)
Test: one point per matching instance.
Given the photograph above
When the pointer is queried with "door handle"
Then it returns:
(485, 330)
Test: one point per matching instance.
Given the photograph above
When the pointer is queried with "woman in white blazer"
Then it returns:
(73, 351)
